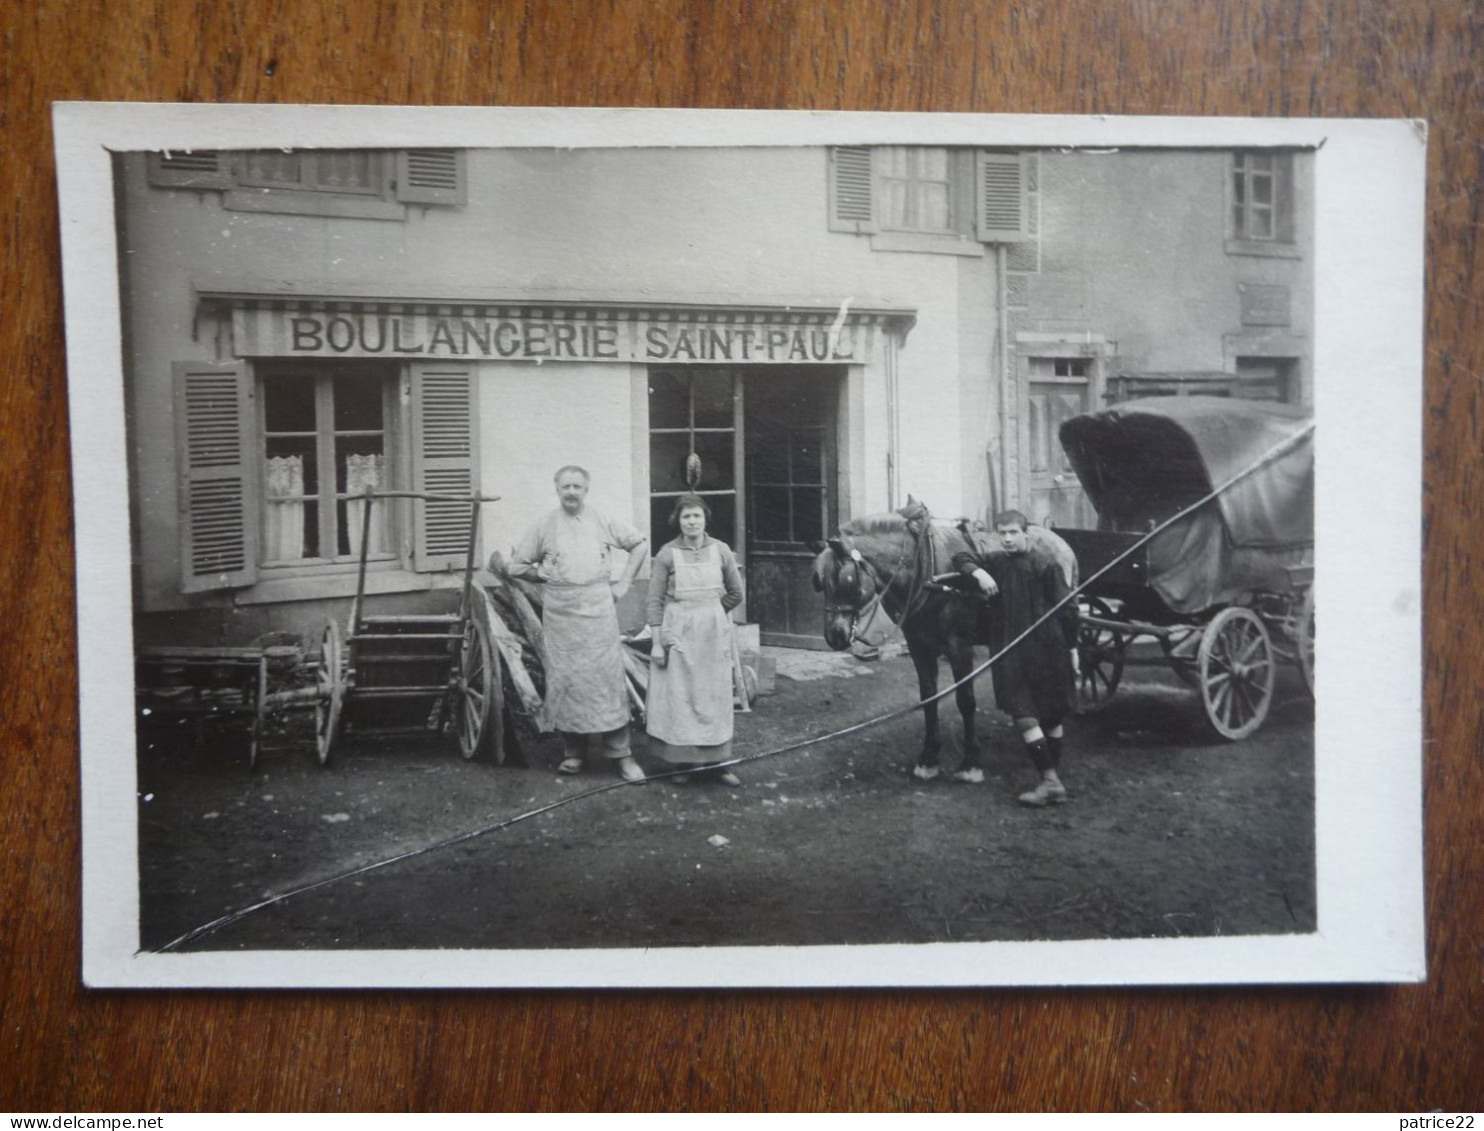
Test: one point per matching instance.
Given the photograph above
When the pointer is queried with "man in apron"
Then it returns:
(569, 550)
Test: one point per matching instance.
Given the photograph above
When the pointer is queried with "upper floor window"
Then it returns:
(363, 183)
(1261, 198)
(916, 189)
(928, 198)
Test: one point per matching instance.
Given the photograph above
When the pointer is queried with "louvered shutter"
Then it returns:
(217, 496)
(203, 168)
(431, 176)
(445, 460)
(1001, 208)
(852, 203)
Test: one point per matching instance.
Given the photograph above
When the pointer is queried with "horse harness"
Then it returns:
(917, 530)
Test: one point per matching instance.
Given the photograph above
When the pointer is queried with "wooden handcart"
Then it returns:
(383, 674)
(206, 687)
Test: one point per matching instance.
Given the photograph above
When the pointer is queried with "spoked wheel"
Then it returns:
(330, 690)
(1237, 672)
(479, 695)
(1304, 644)
(1099, 660)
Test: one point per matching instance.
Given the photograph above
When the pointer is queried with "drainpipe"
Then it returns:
(1000, 498)
(891, 418)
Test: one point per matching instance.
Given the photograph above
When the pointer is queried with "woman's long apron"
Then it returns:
(585, 691)
(690, 698)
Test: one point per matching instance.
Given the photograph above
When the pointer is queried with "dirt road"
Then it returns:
(1167, 835)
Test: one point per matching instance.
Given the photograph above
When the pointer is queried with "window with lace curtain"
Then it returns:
(325, 443)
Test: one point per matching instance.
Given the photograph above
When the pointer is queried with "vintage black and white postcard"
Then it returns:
(685, 548)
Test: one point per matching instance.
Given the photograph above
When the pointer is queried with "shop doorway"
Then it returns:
(766, 444)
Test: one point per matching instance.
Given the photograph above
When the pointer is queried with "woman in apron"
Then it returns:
(693, 585)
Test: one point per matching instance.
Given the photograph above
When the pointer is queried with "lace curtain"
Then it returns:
(362, 472)
(285, 533)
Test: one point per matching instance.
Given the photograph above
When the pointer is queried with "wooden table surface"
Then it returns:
(1380, 1048)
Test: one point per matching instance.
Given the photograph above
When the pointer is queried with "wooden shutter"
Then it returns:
(1001, 212)
(445, 460)
(852, 203)
(431, 176)
(203, 168)
(217, 495)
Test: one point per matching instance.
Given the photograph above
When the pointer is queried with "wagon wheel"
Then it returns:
(479, 696)
(1183, 664)
(1237, 672)
(259, 714)
(1099, 660)
(330, 689)
(1304, 643)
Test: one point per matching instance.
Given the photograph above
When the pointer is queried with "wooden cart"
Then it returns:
(382, 674)
(209, 687)
(1227, 591)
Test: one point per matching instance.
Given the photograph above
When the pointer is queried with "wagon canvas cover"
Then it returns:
(1143, 462)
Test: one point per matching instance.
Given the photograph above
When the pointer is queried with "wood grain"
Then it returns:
(63, 1048)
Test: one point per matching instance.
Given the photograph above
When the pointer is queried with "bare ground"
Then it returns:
(1167, 834)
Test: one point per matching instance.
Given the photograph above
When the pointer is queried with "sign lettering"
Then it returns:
(373, 334)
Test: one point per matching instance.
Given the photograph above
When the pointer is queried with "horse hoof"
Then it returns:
(974, 776)
(925, 773)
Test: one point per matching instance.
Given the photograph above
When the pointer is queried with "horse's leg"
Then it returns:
(925, 660)
(961, 663)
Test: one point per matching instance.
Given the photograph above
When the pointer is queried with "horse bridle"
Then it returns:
(915, 595)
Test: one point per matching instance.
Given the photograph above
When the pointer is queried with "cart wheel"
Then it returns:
(1183, 664)
(259, 714)
(1099, 660)
(479, 694)
(330, 685)
(1304, 645)
(1236, 669)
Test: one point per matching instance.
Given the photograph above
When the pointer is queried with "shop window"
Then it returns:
(692, 412)
(324, 445)
(953, 196)
(365, 183)
(1261, 203)
(275, 464)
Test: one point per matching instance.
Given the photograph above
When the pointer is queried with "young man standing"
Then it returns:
(1035, 682)
(570, 551)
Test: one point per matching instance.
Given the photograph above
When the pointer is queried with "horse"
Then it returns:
(896, 558)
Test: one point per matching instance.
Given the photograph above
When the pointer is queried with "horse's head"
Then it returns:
(848, 585)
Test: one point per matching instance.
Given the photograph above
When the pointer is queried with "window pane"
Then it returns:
(894, 160)
(669, 399)
(770, 521)
(713, 396)
(768, 458)
(933, 206)
(1262, 224)
(272, 167)
(1262, 190)
(359, 464)
(1260, 162)
(1239, 222)
(723, 522)
(344, 171)
(291, 527)
(933, 164)
(894, 204)
(808, 455)
(667, 452)
(715, 450)
(288, 404)
(357, 404)
(808, 524)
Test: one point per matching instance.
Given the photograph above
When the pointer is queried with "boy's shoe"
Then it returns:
(1048, 792)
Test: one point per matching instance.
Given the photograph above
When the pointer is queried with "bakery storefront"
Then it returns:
(307, 402)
